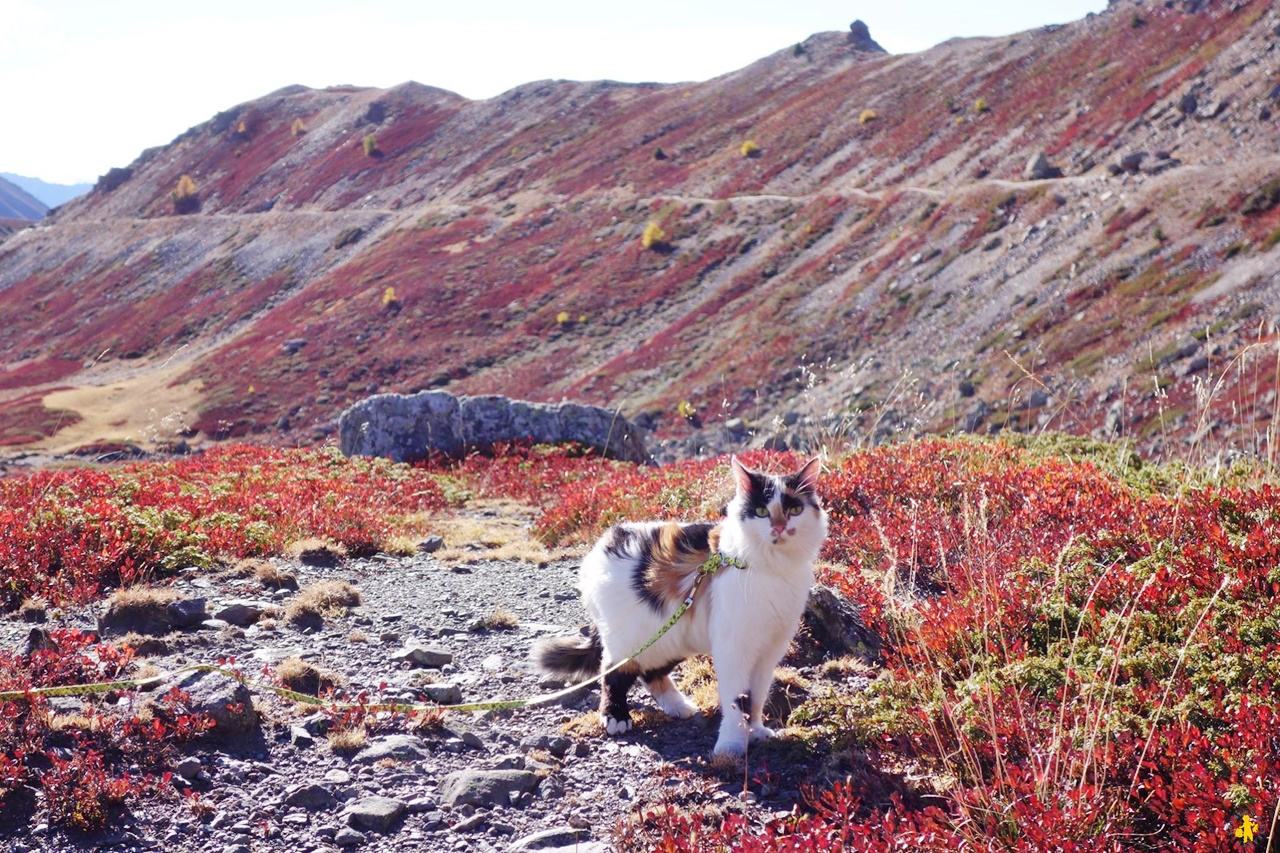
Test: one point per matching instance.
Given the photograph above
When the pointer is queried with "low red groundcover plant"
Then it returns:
(69, 534)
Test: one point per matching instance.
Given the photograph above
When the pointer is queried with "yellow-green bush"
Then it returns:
(867, 116)
(749, 149)
(653, 236)
(370, 145)
(185, 197)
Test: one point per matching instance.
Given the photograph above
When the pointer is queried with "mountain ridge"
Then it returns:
(17, 203)
(47, 193)
(882, 251)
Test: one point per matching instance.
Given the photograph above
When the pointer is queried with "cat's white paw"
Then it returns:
(759, 733)
(675, 704)
(613, 726)
(730, 747)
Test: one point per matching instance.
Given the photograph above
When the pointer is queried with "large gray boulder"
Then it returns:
(405, 427)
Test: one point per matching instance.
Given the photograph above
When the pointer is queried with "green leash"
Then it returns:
(710, 567)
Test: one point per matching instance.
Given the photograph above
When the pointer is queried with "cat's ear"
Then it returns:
(741, 476)
(806, 479)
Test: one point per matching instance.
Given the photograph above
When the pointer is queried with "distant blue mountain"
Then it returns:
(51, 195)
(17, 203)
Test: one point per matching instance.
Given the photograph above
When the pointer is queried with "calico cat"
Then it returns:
(743, 616)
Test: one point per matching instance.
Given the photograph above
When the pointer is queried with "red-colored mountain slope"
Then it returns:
(881, 262)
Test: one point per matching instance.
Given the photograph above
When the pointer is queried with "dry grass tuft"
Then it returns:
(504, 532)
(357, 636)
(728, 767)
(272, 576)
(140, 608)
(401, 545)
(316, 552)
(586, 725)
(501, 619)
(698, 682)
(34, 609)
(303, 677)
(847, 666)
(245, 568)
(320, 601)
(144, 645)
(348, 741)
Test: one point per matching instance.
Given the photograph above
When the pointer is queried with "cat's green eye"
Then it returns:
(794, 510)
(761, 512)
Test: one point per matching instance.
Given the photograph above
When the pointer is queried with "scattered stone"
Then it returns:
(188, 768)
(241, 612)
(423, 656)
(1039, 168)
(187, 612)
(310, 797)
(227, 702)
(1161, 164)
(293, 345)
(337, 776)
(1132, 162)
(836, 624)
(376, 813)
(556, 745)
(471, 824)
(348, 837)
(398, 747)
(485, 787)
(431, 544)
(443, 693)
(301, 738)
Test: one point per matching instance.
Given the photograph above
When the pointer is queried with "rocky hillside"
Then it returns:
(1070, 228)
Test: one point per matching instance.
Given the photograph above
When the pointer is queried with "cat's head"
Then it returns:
(780, 510)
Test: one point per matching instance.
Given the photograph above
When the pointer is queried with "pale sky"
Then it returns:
(88, 84)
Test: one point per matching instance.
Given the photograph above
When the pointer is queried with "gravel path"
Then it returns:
(283, 790)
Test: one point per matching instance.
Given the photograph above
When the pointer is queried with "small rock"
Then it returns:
(301, 738)
(563, 836)
(348, 837)
(337, 776)
(1132, 162)
(187, 612)
(376, 813)
(241, 613)
(485, 787)
(423, 656)
(431, 544)
(443, 693)
(188, 768)
(227, 702)
(837, 625)
(310, 797)
(420, 805)
(399, 747)
(472, 823)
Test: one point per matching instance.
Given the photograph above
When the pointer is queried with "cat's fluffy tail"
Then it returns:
(571, 658)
